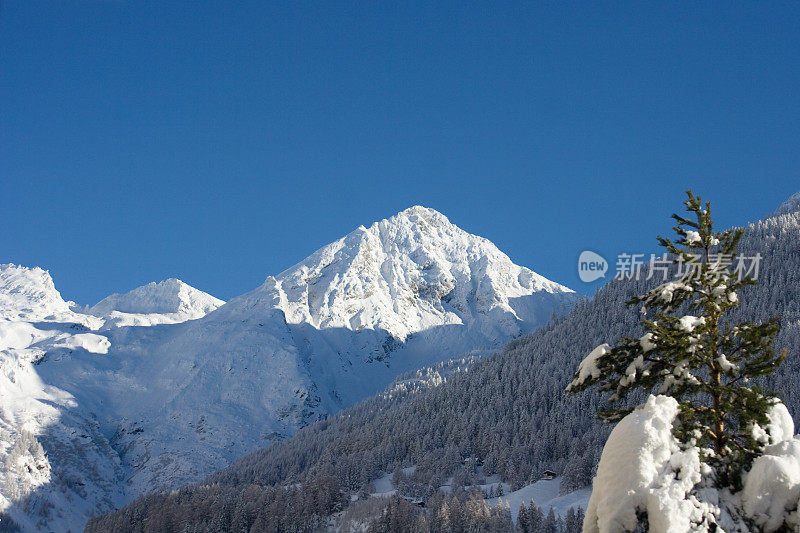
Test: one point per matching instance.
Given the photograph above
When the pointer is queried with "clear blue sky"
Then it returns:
(222, 142)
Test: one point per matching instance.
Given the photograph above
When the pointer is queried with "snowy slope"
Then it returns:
(789, 206)
(167, 302)
(58, 467)
(338, 327)
(55, 463)
(545, 494)
(29, 294)
(187, 392)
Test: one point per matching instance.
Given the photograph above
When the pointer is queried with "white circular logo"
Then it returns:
(591, 266)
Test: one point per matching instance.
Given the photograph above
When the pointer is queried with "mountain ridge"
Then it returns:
(171, 401)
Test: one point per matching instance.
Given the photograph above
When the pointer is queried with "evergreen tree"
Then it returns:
(421, 524)
(579, 516)
(577, 474)
(536, 517)
(523, 520)
(692, 353)
(571, 521)
(550, 523)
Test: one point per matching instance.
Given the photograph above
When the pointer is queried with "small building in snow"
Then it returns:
(548, 475)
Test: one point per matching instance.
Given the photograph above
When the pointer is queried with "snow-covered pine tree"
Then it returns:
(692, 353)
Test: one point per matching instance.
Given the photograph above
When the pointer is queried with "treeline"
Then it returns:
(222, 509)
(465, 512)
(257, 509)
(506, 415)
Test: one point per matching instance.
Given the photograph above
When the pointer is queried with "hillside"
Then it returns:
(508, 413)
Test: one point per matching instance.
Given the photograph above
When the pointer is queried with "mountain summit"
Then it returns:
(29, 295)
(409, 273)
(168, 301)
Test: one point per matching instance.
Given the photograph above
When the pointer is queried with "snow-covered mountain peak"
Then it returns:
(418, 212)
(29, 294)
(168, 301)
(789, 206)
(411, 272)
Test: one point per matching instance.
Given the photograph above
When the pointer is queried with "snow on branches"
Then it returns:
(693, 355)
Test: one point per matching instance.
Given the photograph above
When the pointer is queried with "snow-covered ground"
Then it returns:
(384, 486)
(544, 493)
(165, 384)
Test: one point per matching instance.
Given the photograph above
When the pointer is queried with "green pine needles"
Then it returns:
(692, 353)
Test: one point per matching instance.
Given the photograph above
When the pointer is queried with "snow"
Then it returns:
(667, 290)
(644, 469)
(637, 471)
(588, 367)
(688, 323)
(772, 487)
(29, 294)
(412, 272)
(384, 486)
(160, 386)
(726, 365)
(51, 454)
(646, 342)
(693, 238)
(56, 460)
(545, 494)
(90, 342)
(168, 302)
(789, 206)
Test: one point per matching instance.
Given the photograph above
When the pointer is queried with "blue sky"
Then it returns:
(223, 142)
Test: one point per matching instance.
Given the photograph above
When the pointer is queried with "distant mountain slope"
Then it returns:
(508, 412)
(172, 402)
(167, 302)
(29, 294)
(789, 206)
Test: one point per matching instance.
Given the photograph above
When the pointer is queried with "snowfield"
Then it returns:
(163, 385)
(544, 493)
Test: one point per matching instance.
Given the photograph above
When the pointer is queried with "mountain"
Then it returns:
(158, 403)
(412, 272)
(29, 295)
(167, 302)
(503, 417)
(789, 206)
